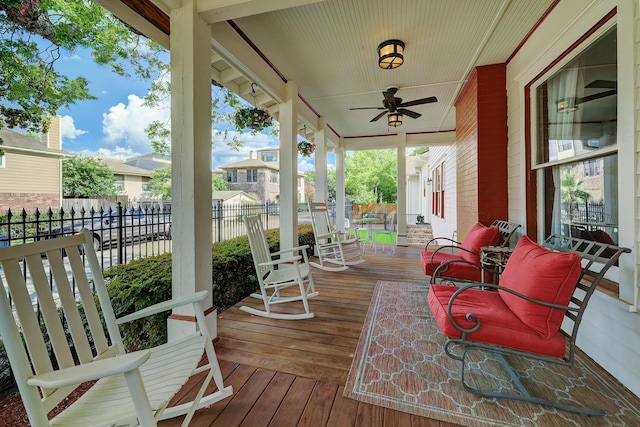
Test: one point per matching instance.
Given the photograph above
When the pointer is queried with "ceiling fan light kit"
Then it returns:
(567, 105)
(395, 119)
(390, 54)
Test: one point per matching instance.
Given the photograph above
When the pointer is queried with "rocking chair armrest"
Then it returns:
(487, 286)
(163, 306)
(78, 374)
(435, 239)
(444, 266)
(280, 261)
(297, 248)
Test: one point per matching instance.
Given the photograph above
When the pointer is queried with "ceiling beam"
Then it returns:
(223, 10)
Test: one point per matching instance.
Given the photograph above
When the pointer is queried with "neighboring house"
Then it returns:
(31, 170)
(233, 197)
(130, 180)
(260, 176)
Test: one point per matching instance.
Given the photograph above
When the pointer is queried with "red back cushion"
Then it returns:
(542, 274)
(478, 237)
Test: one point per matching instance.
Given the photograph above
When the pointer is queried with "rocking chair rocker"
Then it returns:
(276, 274)
(131, 388)
(336, 251)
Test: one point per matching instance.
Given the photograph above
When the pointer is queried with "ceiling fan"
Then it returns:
(567, 105)
(392, 105)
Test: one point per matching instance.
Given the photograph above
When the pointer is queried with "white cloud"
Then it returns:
(68, 128)
(117, 152)
(125, 124)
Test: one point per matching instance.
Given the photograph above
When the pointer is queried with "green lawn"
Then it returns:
(386, 238)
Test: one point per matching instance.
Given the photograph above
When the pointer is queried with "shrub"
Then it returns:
(147, 281)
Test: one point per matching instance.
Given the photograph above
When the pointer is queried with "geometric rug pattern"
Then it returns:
(400, 364)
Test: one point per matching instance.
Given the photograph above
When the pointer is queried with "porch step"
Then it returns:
(419, 234)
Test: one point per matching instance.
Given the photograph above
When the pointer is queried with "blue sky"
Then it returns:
(113, 125)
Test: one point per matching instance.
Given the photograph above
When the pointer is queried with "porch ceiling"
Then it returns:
(329, 49)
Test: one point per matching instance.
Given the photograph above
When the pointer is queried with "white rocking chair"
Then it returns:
(131, 388)
(292, 275)
(336, 251)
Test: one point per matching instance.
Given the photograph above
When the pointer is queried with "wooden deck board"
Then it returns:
(292, 373)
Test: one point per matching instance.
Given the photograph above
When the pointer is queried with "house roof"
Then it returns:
(226, 195)
(150, 162)
(250, 164)
(17, 142)
(119, 167)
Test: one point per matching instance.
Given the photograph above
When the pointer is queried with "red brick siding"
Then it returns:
(29, 202)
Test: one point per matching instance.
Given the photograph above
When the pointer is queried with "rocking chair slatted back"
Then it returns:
(259, 246)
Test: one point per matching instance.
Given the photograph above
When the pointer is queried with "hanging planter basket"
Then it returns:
(255, 119)
(306, 148)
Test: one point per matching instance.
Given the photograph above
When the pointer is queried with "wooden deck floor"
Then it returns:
(292, 373)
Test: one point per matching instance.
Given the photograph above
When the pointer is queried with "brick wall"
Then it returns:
(481, 140)
(29, 202)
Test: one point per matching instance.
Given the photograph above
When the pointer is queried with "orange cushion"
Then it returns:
(542, 274)
(479, 236)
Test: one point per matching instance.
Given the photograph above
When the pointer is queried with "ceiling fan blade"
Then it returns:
(368, 108)
(378, 116)
(421, 101)
(603, 84)
(389, 97)
(596, 96)
(409, 113)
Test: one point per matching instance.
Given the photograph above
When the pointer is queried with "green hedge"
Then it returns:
(147, 281)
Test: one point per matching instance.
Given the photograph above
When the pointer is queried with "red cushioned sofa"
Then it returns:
(464, 263)
(522, 315)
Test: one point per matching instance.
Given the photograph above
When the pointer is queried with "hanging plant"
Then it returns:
(252, 118)
(306, 148)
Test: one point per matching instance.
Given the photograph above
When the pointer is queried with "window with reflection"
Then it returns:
(576, 144)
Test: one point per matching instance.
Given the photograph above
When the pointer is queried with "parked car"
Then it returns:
(136, 225)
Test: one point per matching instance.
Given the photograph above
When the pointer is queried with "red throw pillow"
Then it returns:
(542, 274)
(478, 236)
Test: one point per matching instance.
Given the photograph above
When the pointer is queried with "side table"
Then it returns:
(494, 258)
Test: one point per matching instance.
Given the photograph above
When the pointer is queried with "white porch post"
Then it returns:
(322, 192)
(190, 164)
(402, 190)
(289, 168)
(340, 196)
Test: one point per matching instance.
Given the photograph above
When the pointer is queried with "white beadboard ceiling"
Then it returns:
(329, 49)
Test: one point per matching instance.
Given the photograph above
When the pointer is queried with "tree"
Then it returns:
(30, 88)
(310, 178)
(218, 183)
(160, 183)
(84, 177)
(572, 193)
(371, 176)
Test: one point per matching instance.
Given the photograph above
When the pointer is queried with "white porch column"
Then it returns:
(340, 196)
(289, 168)
(402, 190)
(322, 191)
(190, 164)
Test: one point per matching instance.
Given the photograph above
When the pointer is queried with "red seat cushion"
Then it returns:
(460, 270)
(479, 236)
(542, 274)
(499, 325)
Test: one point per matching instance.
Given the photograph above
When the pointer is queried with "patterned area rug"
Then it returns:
(400, 364)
